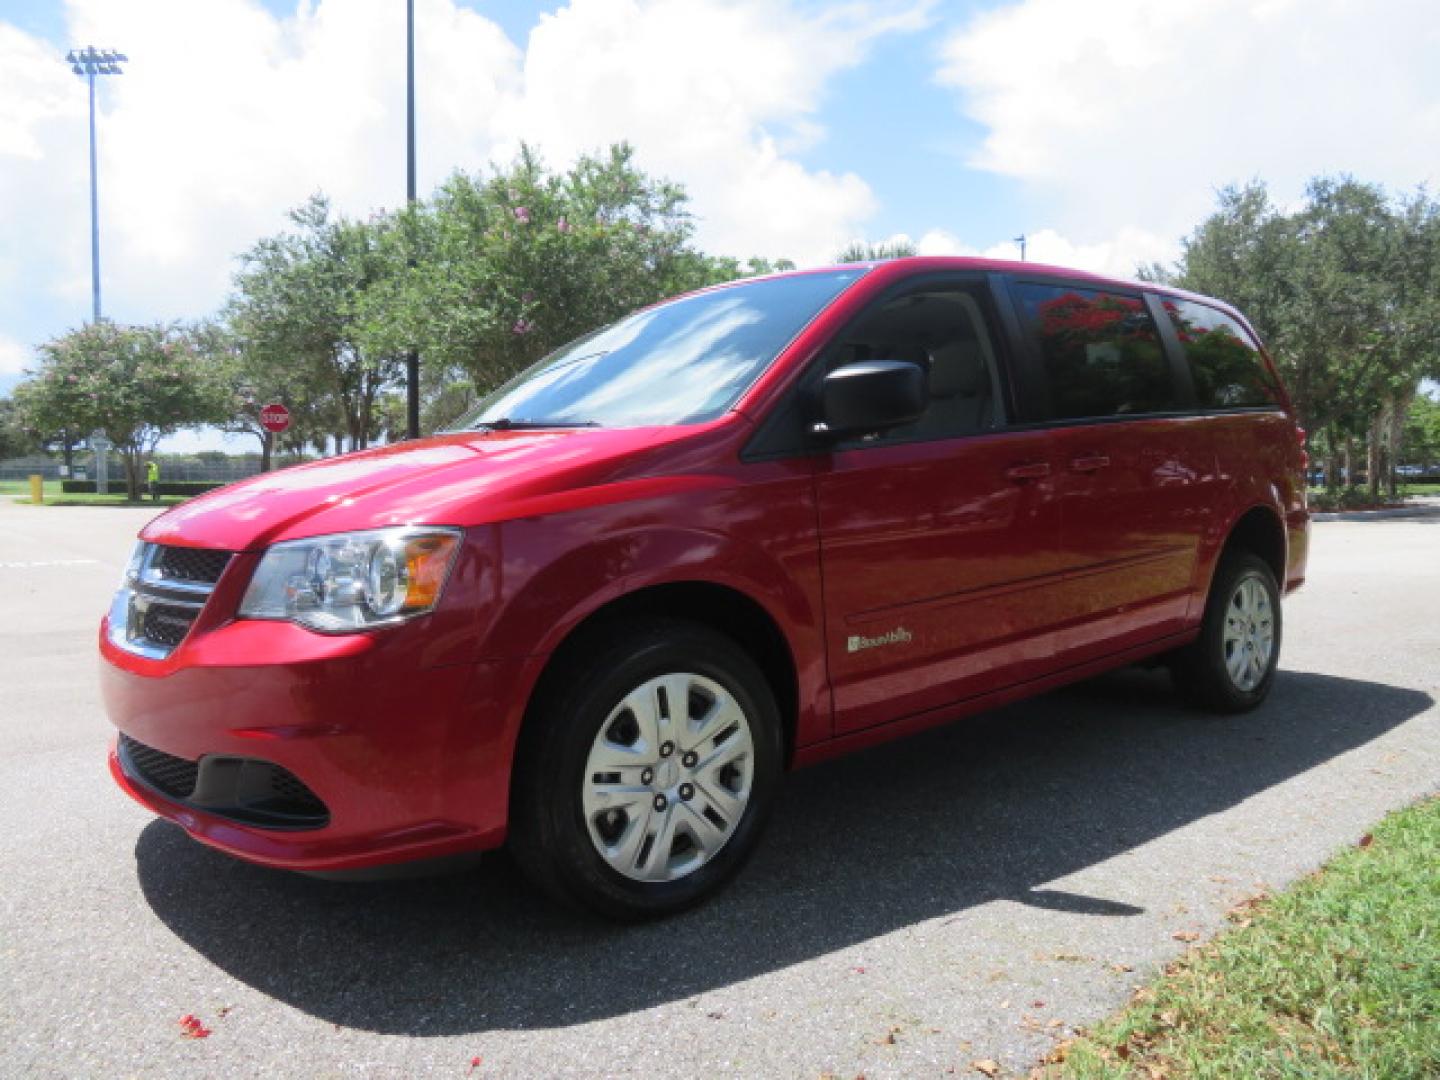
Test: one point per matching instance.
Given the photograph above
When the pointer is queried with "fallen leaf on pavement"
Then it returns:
(1185, 935)
(987, 1066)
(191, 1027)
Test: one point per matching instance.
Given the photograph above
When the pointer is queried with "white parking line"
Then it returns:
(46, 562)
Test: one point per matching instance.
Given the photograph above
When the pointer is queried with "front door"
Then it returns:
(939, 541)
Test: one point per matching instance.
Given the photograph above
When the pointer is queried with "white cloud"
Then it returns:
(1123, 111)
(714, 94)
(14, 357)
(1118, 255)
(226, 116)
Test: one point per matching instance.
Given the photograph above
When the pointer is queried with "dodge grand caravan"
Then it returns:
(729, 535)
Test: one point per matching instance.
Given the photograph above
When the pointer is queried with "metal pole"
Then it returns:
(94, 212)
(412, 358)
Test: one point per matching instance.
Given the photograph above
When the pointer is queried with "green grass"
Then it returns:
(1338, 976)
(1420, 489)
(19, 491)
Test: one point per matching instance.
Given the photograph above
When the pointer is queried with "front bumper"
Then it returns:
(410, 762)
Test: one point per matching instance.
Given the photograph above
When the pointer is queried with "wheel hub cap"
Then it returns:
(668, 777)
(1249, 637)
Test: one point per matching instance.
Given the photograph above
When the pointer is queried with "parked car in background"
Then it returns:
(732, 534)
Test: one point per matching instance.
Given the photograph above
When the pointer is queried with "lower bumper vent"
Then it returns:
(245, 790)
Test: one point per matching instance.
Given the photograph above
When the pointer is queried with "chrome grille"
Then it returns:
(164, 591)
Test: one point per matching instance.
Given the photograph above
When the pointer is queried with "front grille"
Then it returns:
(162, 597)
(189, 564)
(246, 790)
(166, 624)
(166, 773)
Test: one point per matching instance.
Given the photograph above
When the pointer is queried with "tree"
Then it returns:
(14, 439)
(1422, 433)
(298, 320)
(509, 266)
(862, 251)
(135, 383)
(1344, 290)
(251, 377)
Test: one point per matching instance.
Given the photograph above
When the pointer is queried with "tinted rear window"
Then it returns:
(1225, 362)
(1101, 352)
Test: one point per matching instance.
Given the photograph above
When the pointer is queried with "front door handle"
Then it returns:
(1089, 464)
(1033, 470)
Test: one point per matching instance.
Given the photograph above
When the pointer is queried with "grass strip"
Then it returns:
(1337, 976)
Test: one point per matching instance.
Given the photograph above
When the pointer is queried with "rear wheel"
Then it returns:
(1230, 666)
(649, 771)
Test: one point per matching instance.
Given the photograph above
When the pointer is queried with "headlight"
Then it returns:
(352, 581)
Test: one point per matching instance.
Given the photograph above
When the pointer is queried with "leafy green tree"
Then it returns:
(135, 383)
(1422, 433)
(510, 265)
(298, 322)
(14, 439)
(1344, 290)
(250, 377)
(861, 251)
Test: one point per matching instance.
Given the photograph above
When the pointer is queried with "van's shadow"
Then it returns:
(988, 808)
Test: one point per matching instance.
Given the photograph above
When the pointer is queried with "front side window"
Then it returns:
(1101, 353)
(1226, 364)
(943, 331)
(685, 361)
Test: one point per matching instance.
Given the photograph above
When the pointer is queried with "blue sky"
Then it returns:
(1100, 129)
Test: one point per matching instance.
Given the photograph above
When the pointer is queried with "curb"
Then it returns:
(1377, 515)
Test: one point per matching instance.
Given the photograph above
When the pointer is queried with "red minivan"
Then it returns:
(729, 535)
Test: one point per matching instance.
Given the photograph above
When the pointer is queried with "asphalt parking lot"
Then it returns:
(972, 893)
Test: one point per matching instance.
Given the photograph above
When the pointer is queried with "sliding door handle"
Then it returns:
(1089, 464)
(1032, 470)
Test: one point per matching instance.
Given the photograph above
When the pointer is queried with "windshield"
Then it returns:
(681, 362)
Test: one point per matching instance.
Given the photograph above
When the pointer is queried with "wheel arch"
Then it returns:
(1261, 531)
(723, 608)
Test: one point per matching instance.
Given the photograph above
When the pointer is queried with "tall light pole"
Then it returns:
(1021, 241)
(412, 358)
(89, 62)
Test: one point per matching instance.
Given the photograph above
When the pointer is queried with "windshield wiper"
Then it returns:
(506, 423)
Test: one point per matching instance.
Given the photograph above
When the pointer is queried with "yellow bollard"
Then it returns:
(37, 489)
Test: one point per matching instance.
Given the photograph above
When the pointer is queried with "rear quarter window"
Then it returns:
(1225, 363)
(1101, 353)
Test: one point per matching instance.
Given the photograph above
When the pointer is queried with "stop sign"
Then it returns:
(275, 417)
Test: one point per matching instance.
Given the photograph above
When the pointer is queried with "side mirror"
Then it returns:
(870, 396)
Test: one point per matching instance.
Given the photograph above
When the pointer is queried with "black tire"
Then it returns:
(1200, 669)
(549, 834)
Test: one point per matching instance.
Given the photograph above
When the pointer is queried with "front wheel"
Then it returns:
(643, 785)
(1230, 666)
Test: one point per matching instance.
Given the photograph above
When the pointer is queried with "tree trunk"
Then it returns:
(1399, 414)
(267, 450)
(1372, 455)
(1349, 462)
(131, 459)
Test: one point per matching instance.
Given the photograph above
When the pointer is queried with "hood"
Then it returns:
(467, 478)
